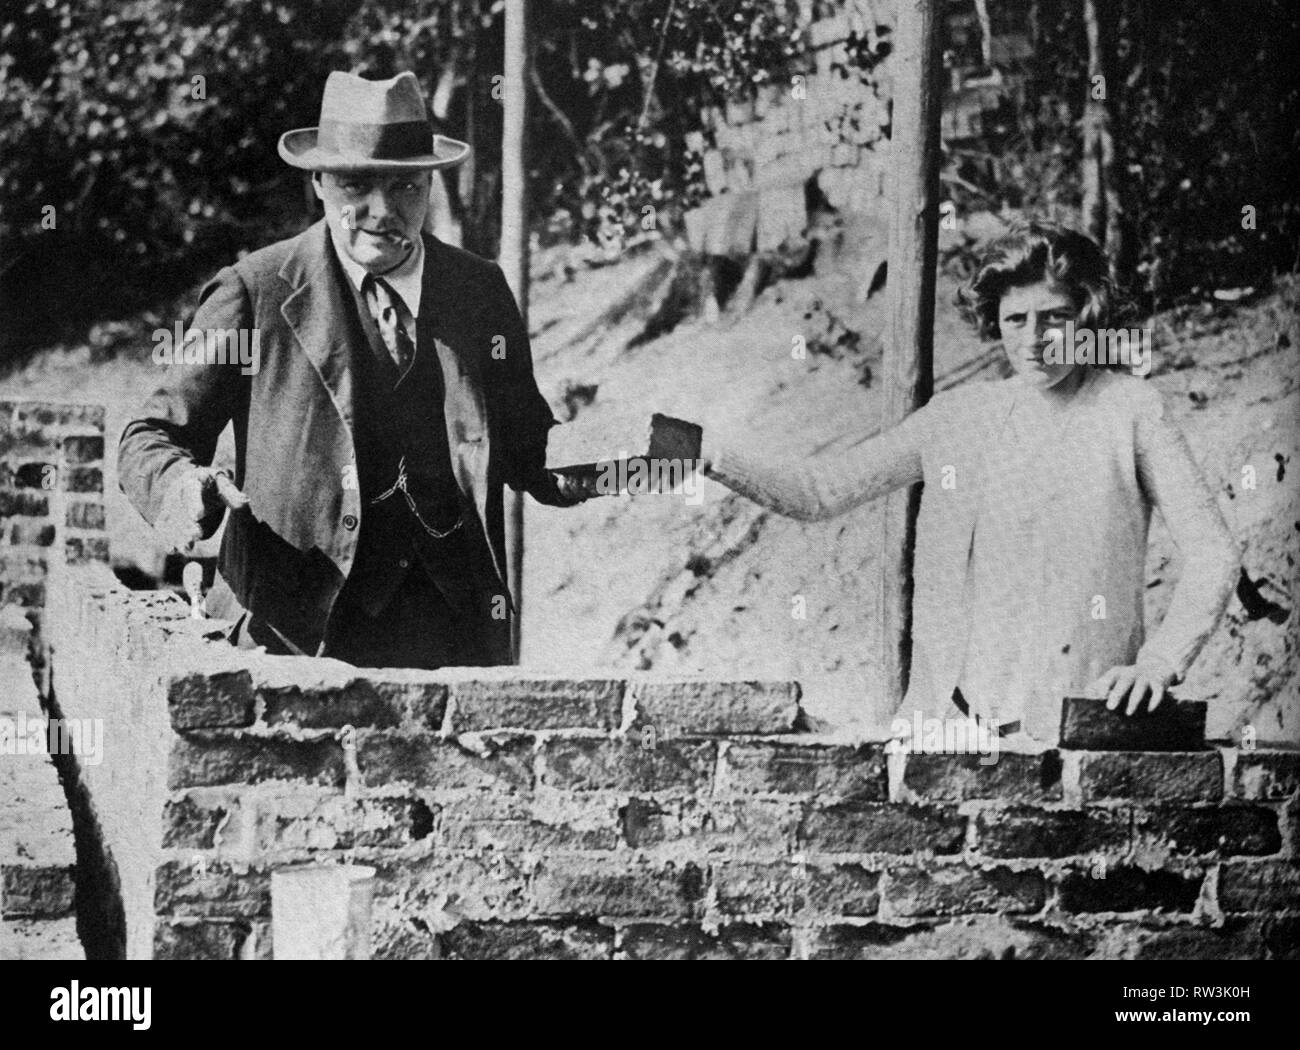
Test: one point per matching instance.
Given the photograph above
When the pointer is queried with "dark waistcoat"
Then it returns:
(395, 422)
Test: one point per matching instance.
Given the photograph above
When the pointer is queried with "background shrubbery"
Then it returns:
(152, 186)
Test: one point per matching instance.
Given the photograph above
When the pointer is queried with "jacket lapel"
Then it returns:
(316, 312)
(440, 301)
(463, 402)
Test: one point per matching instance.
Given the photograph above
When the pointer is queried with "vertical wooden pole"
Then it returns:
(1102, 210)
(513, 254)
(909, 344)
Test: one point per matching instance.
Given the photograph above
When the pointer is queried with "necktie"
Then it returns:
(390, 313)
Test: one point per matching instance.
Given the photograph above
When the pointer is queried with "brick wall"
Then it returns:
(51, 511)
(36, 848)
(51, 495)
(828, 127)
(518, 814)
(758, 155)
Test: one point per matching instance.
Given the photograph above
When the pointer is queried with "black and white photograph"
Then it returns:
(651, 480)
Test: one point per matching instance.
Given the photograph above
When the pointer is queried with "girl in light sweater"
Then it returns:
(1032, 533)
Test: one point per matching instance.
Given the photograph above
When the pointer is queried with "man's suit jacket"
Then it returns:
(287, 555)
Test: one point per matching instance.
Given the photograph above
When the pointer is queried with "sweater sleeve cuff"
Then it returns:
(731, 466)
(1178, 666)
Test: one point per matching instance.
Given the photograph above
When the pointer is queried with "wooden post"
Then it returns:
(908, 364)
(1102, 206)
(513, 253)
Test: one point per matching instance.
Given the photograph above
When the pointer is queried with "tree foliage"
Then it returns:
(149, 127)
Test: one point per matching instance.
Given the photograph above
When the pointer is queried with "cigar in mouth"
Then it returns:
(399, 239)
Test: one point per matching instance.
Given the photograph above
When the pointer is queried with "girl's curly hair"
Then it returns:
(1034, 251)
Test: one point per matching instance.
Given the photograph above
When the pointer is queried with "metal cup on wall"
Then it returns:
(322, 911)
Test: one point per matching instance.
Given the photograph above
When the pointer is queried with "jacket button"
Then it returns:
(349, 521)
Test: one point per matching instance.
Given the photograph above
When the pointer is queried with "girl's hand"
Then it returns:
(1147, 677)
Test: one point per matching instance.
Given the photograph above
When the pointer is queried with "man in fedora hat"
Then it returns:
(393, 399)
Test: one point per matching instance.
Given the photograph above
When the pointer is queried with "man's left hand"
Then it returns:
(564, 490)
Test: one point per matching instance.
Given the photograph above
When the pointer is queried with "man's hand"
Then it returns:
(563, 488)
(193, 506)
(1148, 677)
(576, 487)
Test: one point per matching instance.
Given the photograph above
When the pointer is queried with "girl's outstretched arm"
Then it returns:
(813, 489)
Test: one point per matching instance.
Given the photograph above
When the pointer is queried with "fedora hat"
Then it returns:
(369, 124)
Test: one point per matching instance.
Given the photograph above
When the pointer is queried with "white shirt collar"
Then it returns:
(407, 280)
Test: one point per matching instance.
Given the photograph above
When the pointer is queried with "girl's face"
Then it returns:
(1028, 314)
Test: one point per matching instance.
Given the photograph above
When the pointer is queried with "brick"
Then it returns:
(1262, 886)
(839, 889)
(437, 888)
(394, 937)
(699, 706)
(335, 696)
(83, 479)
(210, 699)
(36, 890)
(44, 940)
(883, 828)
(745, 825)
(1014, 777)
(191, 938)
(83, 515)
(850, 773)
(388, 756)
(974, 937)
(590, 887)
(29, 475)
(1226, 830)
(1266, 776)
(1124, 888)
(426, 701)
(78, 549)
(211, 889)
(24, 504)
(689, 941)
(1023, 831)
(752, 824)
(530, 825)
(192, 818)
(754, 887)
(230, 756)
(1087, 725)
(536, 704)
(576, 764)
(31, 533)
(527, 940)
(22, 566)
(55, 414)
(867, 941)
(1281, 936)
(644, 823)
(81, 449)
(23, 443)
(26, 595)
(297, 821)
(1168, 776)
(959, 890)
(1233, 940)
